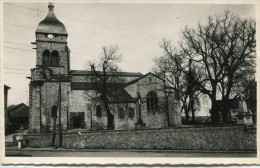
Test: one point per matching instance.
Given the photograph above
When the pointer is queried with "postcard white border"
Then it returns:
(129, 160)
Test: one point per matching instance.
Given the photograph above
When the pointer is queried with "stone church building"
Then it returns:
(135, 96)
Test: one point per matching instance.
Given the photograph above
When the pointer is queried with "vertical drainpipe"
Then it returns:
(91, 118)
(68, 111)
(40, 94)
(126, 115)
(68, 68)
(68, 59)
(46, 98)
(68, 107)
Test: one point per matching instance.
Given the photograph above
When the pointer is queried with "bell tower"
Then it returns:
(50, 77)
(52, 51)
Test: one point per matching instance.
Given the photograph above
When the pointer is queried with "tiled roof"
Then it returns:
(14, 106)
(83, 86)
(141, 77)
(120, 95)
(18, 110)
(116, 92)
(91, 73)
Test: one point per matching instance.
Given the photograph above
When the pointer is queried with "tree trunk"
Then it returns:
(110, 121)
(187, 116)
(214, 111)
(192, 108)
(225, 109)
(192, 116)
(225, 103)
(110, 117)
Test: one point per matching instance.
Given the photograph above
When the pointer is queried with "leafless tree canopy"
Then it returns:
(220, 53)
(168, 67)
(108, 63)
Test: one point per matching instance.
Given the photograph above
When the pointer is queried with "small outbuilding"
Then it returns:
(18, 115)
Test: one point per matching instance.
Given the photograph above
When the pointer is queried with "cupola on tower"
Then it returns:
(51, 44)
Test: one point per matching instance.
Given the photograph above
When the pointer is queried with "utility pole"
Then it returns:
(68, 107)
(91, 125)
(60, 129)
(54, 116)
(68, 97)
(27, 97)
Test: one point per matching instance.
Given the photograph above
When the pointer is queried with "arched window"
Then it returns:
(131, 112)
(54, 58)
(121, 112)
(98, 111)
(152, 101)
(46, 57)
(148, 103)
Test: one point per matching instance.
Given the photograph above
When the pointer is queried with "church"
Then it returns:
(59, 96)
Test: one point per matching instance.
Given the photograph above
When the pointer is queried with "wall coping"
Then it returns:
(145, 130)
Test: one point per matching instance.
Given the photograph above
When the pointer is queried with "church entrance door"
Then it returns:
(76, 121)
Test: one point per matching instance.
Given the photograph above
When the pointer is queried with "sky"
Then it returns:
(137, 30)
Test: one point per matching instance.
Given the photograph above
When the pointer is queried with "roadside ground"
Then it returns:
(13, 151)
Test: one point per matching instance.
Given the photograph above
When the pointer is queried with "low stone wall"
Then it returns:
(205, 138)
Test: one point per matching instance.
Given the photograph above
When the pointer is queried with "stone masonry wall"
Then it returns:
(79, 102)
(59, 44)
(42, 99)
(233, 138)
(155, 119)
(125, 123)
(34, 110)
(49, 91)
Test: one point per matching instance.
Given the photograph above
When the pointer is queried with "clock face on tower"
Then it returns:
(50, 36)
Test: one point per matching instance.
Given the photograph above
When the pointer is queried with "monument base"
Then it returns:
(244, 118)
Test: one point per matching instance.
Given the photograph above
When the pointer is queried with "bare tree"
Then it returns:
(107, 64)
(218, 52)
(185, 91)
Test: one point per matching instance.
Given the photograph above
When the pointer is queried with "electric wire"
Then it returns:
(90, 56)
(84, 20)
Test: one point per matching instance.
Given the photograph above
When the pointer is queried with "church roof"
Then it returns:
(51, 24)
(116, 92)
(141, 77)
(120, 95)
(91, 73)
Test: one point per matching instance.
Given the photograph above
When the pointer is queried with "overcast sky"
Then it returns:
(137, 29)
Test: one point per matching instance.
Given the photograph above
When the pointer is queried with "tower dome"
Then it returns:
(51, 24)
